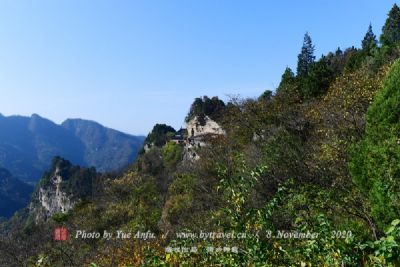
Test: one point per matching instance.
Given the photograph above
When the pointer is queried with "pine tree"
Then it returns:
(369, 43)
(391, 29)
(306, 57)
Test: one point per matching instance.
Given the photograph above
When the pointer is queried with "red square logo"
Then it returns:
(60, 234)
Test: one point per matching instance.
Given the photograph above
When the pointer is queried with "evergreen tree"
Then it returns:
(287, 77)
(266, 96)
(336, 60)
(391, 29)
(288, 84)
(306, 57)
(206, 106)
(318, 80)
(160, 134)
(375, 160)
(369, 43)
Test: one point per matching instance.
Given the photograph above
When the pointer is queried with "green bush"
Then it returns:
(375, 160)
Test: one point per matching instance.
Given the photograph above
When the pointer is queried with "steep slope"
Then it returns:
(60, 188)
(105, 148)
(273, 190)
(14, 194)
(27, 145)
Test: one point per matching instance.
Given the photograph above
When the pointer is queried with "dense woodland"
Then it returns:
(321, 154)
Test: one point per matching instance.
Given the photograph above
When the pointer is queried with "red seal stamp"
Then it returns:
(60, 234)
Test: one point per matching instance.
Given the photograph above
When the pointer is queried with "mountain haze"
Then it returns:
(28, 144)
(105, 148)
(14, 194)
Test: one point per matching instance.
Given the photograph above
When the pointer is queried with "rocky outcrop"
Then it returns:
(199, 129)
(203, 125)
(53, 199)
(60, 189)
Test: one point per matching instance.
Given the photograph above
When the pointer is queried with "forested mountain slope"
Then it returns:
(304, 176)
(28, 144)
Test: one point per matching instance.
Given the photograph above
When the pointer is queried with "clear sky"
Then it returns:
(131, 64)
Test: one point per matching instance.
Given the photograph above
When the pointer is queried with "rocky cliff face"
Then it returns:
(60, 189)
(200, 126)
(53, 199)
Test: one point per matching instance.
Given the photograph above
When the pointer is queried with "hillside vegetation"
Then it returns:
(307, 175)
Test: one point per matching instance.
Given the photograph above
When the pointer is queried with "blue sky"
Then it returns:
(131, 64)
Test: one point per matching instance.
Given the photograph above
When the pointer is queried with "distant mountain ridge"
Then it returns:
(104, 148)
(28, 144)
(14, 194)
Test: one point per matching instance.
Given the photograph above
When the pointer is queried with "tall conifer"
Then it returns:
(369, 43)
(391, 29)
(306, 57)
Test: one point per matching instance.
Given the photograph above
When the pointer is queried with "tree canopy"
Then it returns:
(160, 134)
(369, 43)
(391, 30)
(306, 57)
(206, 106)
(375, 163)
